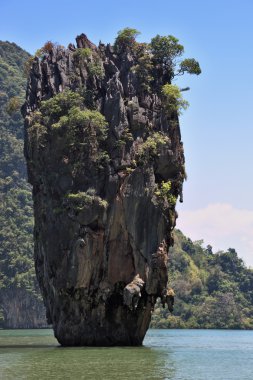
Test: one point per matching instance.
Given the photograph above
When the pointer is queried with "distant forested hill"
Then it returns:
(20, 302)
(212, 290)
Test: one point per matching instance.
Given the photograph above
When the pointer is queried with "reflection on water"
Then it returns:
(166, 354)
(35, 354)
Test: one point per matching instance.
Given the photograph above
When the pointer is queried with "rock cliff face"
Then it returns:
(106, 164)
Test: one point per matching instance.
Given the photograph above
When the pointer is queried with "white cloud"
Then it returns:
(222, 226)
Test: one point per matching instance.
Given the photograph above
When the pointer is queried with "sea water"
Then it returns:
(166, 354)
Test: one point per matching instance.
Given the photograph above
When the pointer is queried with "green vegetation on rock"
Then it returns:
(64, 110)
(166, 50)
(83, 53)
(90, 59)
(174, 101)
(149, 148)
(79, 200)
(65, 115)
(190, 66)
(158, 62)
(59, 105)
(126, 39)
(165, 192)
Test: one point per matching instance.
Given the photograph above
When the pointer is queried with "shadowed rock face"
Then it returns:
(102, 227)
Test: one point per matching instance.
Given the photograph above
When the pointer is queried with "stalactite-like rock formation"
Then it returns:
(106, 164)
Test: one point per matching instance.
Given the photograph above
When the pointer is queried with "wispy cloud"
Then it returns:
(222, 226)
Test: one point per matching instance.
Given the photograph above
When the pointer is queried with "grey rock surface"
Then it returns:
(102, 266)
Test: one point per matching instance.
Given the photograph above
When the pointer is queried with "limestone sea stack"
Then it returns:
(106, 163)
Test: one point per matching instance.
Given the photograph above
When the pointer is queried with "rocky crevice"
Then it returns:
(103, 225)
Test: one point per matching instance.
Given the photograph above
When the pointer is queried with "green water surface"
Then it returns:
(166, 354)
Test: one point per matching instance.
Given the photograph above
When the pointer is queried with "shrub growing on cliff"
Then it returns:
(126, 39)
(165, 192)
(37, 130)
(90, 120)
(81, 199)
(91, 60)
(174, 101)
(143, 69)
(48, 47)
(82, 53)
(149, 149)
(64, 114)
(95, 68)
(45, 50)
(60, 104)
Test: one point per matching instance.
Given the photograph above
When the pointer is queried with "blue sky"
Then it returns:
(216, 129)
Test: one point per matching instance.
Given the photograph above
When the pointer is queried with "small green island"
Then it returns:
(106, 161)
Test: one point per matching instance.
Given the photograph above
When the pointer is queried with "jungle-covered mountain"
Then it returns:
(212, 290)
(20, 302)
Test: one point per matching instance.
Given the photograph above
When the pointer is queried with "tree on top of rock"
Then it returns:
(165, 51)
(126, 39)
(156, 63)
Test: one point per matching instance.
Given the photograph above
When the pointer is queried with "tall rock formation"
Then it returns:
(106, 163)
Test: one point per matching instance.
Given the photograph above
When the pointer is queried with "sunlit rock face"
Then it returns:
(99, 164)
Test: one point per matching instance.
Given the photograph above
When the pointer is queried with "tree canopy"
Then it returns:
(211, 290)
(16, 212)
